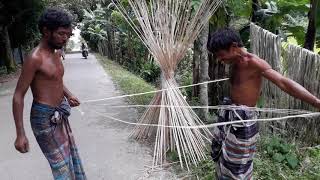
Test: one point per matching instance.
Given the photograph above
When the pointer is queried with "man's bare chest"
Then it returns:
(51, 70)
(245, 77)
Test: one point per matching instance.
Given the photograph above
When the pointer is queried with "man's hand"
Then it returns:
(22, 144)
(317, 104)
(73, 101)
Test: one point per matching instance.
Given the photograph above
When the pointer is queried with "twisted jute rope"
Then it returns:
(303, 113)
(151, 92)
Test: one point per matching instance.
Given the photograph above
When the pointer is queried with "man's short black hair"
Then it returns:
(53, 18)
(223, 39)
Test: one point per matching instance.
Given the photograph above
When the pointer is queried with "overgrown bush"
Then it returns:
(150, 71)
(275, 160)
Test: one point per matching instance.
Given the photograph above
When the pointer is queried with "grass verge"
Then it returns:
(127, 82)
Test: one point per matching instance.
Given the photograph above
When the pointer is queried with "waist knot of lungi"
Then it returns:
(62, 112)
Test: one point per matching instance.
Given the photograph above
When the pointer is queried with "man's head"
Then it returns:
(55, 26)
(225, 44)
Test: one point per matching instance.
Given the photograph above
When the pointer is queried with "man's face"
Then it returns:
(228, 56)
(225, 56)
(59, 37)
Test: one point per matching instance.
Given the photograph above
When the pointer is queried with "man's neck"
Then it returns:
(243, 57)
(45, 46)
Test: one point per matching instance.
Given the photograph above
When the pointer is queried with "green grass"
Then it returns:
(278, 160)
(127, 82)
(269, 164)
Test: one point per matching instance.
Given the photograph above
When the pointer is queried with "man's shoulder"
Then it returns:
(254, 58)
(258, 63)
(34, 57)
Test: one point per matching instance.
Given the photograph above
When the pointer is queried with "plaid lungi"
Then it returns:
(234, 146)
(52, 130)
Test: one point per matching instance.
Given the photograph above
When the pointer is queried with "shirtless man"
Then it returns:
(43, 72)
(233, 146)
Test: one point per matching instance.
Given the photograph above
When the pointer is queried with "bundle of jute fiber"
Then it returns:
(298, 64)
(267, 46)
(302, 66)
(168, 28)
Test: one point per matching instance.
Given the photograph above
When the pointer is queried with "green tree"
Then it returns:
(17, 26)
(92, 28)
(312, 27)
(76, 7)
(285, 17)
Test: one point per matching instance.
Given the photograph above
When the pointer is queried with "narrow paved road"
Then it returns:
(106, 151)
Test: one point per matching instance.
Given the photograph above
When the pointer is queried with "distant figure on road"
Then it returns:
(83, 46)
(52, 101)
(84, 50)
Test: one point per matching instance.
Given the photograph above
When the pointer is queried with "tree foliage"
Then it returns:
(105, 26)
(18, 27)
(93, 26)
(285, 17)
(21, 18)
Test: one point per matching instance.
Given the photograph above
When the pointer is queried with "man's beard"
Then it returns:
(53, 45)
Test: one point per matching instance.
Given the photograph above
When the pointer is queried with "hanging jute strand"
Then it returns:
(298, 64)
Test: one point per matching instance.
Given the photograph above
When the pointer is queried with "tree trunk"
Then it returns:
(196, 68)
(117, 47)
(8, 59)
(255, 8)
(204, 76)
(130, 46)
(218, 70)
(111, 44)
(20, 54)
(311, 32)
(221, 89)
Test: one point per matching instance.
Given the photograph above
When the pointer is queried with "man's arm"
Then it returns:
(292, 88)
(73, 101)
(27, 74)
(289, 86)
(66, 92)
